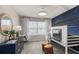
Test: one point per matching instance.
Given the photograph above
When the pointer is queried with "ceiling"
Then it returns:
(33, 10)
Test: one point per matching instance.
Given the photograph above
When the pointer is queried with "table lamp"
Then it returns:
(17, 28)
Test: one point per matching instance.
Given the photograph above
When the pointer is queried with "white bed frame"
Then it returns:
(64, 41)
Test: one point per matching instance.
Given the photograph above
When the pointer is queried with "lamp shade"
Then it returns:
(17, 28)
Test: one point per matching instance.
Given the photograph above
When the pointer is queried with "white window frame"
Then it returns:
(37, 28)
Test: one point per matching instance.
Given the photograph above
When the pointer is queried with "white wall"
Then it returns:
(9, 11)
(23, 23)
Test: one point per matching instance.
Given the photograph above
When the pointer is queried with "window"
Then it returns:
(37, 28)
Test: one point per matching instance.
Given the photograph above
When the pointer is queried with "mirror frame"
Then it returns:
(1, 17)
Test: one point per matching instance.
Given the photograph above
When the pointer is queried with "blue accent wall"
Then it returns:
(70, 18)
(73, 30)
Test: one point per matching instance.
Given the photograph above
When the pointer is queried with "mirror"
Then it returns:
(6, 22)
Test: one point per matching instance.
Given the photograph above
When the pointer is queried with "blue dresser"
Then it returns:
(11, 47)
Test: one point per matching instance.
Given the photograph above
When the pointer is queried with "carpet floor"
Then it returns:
(36, 48)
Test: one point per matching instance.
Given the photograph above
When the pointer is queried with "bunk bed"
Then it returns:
(62, 38)
(68, 22)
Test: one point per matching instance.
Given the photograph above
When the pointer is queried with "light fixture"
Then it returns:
(42, 13)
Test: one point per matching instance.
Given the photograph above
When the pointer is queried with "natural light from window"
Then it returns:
(37, 28)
